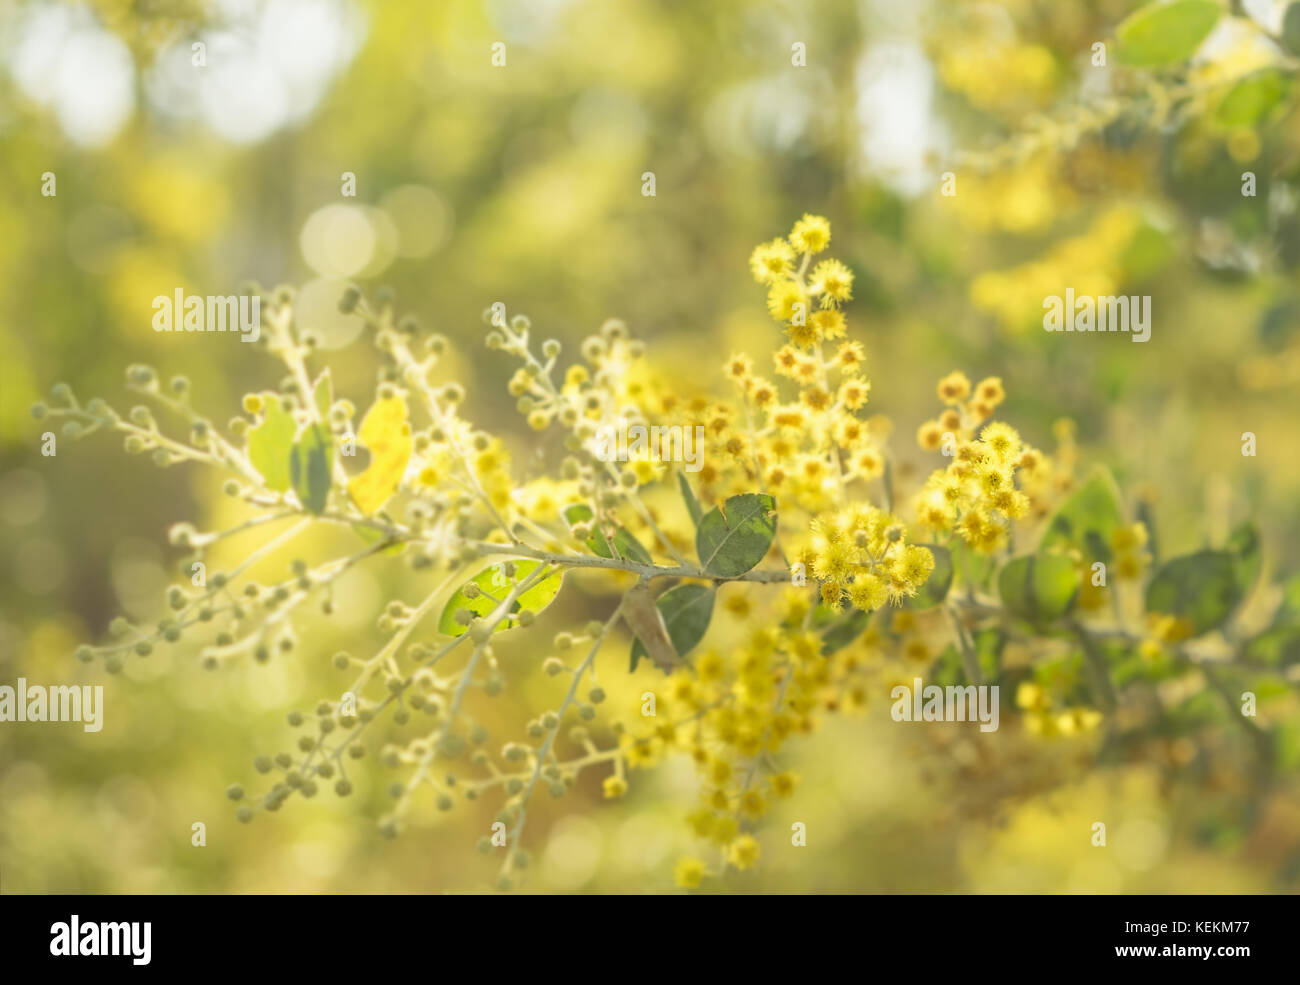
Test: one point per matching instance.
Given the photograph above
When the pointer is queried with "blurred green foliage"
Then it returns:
(523, 184)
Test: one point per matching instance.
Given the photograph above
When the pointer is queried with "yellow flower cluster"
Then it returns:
(734, 715)
(1129, 559)
(994, 476)
(1008, 76)
(1044, 720)
(861, 554)
(1091, 263)
(803, 449)
(791, 288)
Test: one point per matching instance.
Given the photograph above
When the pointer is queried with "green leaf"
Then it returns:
(733, 538)
(1291, 29)
(845, 631)
(969, 565)
(1166, 32)
(1245, 544)
(495, 585)
(692, 504)
(935, 589)
(311, 466)
(988, 650)
(1039, 588)
(947, 669)
(1092, 508)
(270, 444)
(1279, 647)
(1288, 613)
(1253, 98)
(687, 610)
(627, 546)
(1201, 588)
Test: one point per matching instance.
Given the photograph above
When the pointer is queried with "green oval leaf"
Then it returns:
(1291, 29)
(845, 631)
(1039, 588)
(1279, 647)
(935, 589)
(1093, 508)
(270, 444)
(1166, 32)
(311, 468)
(692, 504)
(1201, 588)
(495, 585)
(1244, 543)
(1253, 98)
(733, 538)
(626, 545)
(687, 611)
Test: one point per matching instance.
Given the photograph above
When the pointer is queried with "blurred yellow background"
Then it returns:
(523, 184)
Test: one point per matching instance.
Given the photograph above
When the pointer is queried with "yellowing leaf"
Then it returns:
(270, 443)
(386, 433)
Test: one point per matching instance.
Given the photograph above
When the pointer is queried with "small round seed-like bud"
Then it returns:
(235, 791)
(350, 299)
